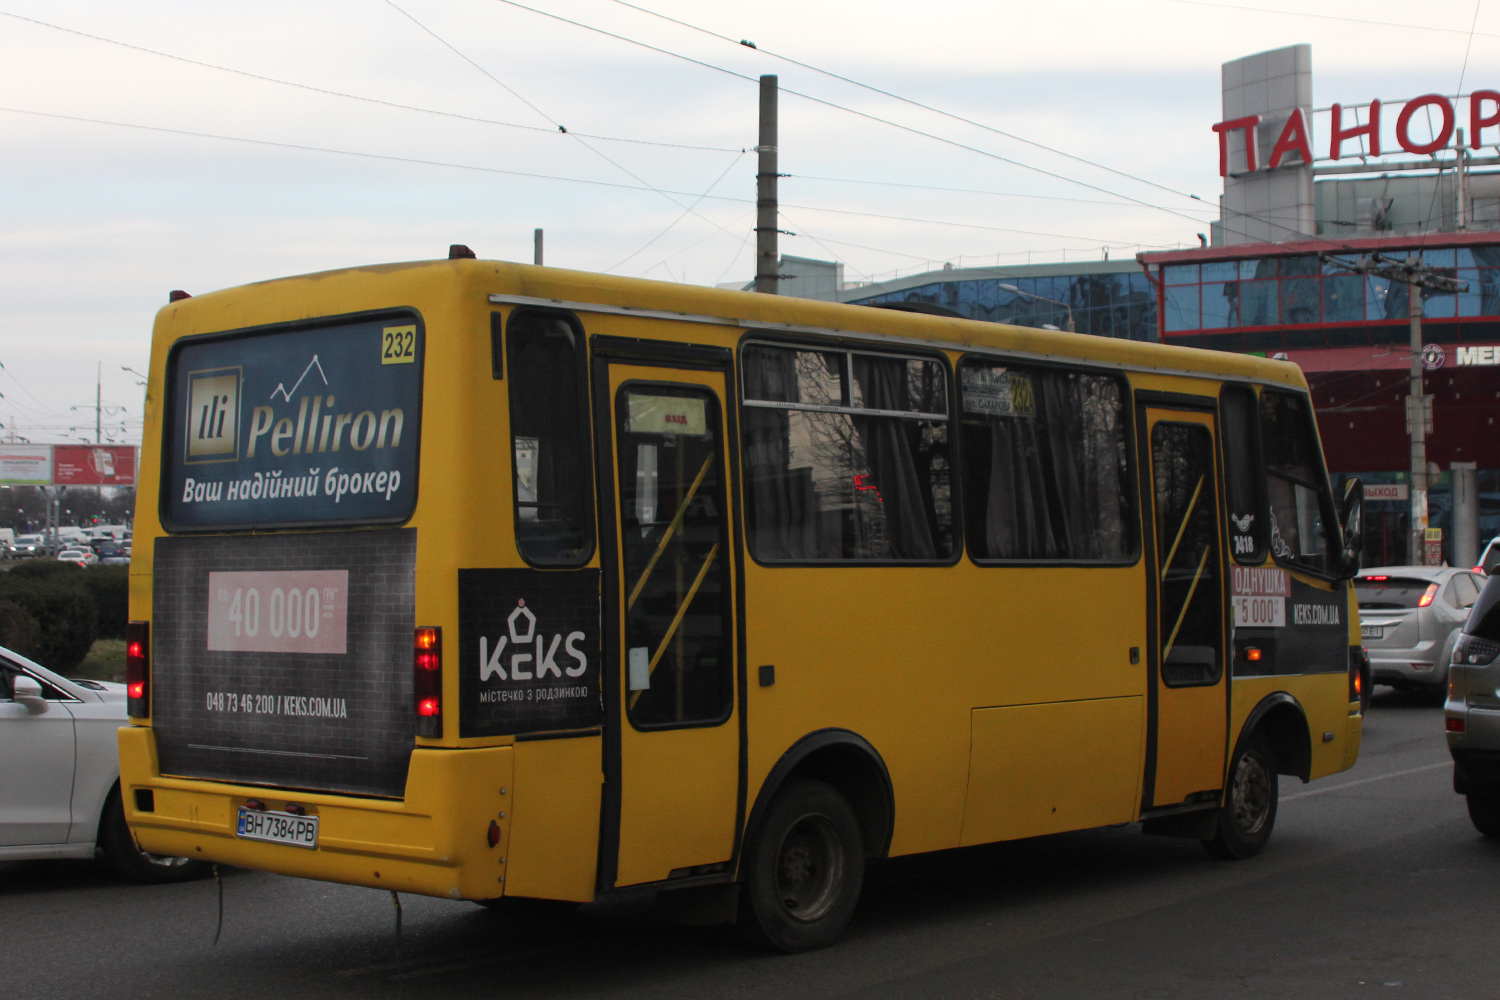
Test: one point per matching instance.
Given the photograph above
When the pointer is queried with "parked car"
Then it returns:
(60, 781)
(83, 557)
(1471, 714)
(1410, 617)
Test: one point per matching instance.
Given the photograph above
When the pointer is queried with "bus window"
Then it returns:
(846, 456)
(1046, 471)
(1242, 476)
(549, 433)
(1296, 490)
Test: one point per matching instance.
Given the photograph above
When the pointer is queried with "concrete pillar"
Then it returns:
(1465, 513)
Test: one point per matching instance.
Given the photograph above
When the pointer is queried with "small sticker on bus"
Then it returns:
(398, 345)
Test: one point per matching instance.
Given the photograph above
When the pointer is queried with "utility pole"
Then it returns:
(1416, 276)
(99, 405)
(536, 248)
(766, 273)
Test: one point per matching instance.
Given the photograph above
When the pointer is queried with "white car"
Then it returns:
(83, 557)
(60, 774)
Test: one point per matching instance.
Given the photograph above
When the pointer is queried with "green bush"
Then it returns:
(110, 588)
(44, 569)
(19, 631)
(65, 613)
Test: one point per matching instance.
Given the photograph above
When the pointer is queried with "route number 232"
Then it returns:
(398, 345)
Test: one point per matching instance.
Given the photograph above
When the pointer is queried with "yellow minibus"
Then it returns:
(504, 583)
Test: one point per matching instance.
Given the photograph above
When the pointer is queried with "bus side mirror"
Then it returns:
(1352, 512)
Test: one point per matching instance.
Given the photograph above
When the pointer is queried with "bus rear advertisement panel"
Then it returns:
(310, 425)
(286, 659)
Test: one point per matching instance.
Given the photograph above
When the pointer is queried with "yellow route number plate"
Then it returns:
(398, 345)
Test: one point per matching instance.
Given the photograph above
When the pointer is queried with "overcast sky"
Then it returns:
(128, 173)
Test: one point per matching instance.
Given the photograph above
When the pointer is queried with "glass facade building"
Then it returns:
(1107, 299)
(1306, 289)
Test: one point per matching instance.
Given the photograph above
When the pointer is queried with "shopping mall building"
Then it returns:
(1309, 194)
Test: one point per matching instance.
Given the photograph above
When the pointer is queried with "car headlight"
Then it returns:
(1473, 651)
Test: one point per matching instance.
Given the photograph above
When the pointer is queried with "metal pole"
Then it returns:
(1417, 418)
(536, 250)
(766, 273)
(1463, 206)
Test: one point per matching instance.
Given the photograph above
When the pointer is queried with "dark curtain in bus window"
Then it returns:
(549, 436)
(1046, 473)
(1187, 553)
(676, 563)
(1299, 504)
(827, 480)
(1243, 478)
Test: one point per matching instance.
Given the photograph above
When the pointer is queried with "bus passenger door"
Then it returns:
(672, 746)
(1188, 711)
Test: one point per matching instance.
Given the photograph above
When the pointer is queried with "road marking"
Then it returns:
(1365, 781)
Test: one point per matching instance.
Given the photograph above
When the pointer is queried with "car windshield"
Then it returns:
(1389, 593)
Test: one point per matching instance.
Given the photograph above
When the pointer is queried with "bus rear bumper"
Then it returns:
(436, 841)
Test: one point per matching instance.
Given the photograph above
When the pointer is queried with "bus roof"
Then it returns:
(299, 297)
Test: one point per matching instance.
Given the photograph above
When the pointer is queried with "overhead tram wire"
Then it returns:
(438, 113)
(907, 100)
(863, 114)
(689, 209)
(980, 191)
(358, 97)
(1329, 17)
(618, 185)
(581, 141)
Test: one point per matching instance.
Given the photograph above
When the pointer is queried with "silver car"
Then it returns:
(1410, 617)
(1472, 712)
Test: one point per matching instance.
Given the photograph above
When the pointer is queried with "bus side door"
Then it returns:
(1188, 706)
(672, 735)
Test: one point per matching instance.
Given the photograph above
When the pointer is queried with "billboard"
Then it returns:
(27, 465)
(93, 465)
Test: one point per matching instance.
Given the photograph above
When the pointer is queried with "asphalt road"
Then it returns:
(1374, 883)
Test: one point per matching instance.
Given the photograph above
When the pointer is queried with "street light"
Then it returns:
(1042, 298)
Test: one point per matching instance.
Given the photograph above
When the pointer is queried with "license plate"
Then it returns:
(278, 828)
(1371, 631)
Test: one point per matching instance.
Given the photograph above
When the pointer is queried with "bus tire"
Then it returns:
(133, 864)
(1249, 812)
(1484, 812)
(804, 868)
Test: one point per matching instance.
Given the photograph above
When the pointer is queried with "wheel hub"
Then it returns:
(1251, 794)
(809, 868)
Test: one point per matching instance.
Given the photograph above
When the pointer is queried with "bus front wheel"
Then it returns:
(804, 870)
(1249, 811)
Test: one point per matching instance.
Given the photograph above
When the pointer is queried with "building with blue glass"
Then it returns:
(1104, 298)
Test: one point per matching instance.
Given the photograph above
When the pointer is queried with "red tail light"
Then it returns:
(138, 670)
(1427, 597)
(427, 680)
(1454, 725)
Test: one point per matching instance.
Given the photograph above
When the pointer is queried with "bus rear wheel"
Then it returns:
(804, 870)
(1249, 811)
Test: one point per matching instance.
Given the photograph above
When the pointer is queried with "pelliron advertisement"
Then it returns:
(294, 426)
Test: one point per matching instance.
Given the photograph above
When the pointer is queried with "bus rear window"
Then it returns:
(296, 425)
(554, 494)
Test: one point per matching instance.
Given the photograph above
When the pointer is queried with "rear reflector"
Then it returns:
(1455, 725)
(427, 680)
(138, 669)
